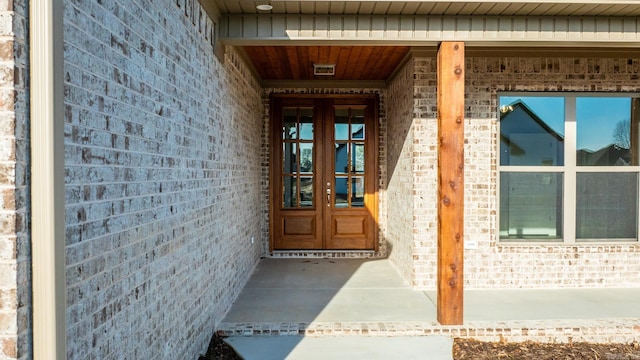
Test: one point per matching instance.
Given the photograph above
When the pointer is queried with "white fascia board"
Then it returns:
(427, 30)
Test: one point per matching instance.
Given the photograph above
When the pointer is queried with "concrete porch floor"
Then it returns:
(364, 297)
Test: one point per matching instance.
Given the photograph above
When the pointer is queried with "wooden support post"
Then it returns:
(450, 182)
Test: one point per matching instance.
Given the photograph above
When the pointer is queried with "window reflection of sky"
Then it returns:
(596, 117)
(342, 132)
(549, 109)
(306, 131)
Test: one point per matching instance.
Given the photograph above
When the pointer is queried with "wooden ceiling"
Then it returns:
(351, 62)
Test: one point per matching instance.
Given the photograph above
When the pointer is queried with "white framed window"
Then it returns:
(568, 167)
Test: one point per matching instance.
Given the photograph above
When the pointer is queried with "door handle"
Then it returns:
(328, 197)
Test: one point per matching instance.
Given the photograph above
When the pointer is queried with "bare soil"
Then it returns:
(469, 349)
(219, 350)
(464, 349)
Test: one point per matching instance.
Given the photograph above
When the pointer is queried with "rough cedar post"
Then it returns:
(450, 182)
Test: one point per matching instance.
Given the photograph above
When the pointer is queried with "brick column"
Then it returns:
(15, 251)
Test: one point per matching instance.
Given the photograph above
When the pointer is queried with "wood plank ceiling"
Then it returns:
(351, 62)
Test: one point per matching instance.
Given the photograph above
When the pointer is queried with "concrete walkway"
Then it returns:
(364, 307)
(345, 347)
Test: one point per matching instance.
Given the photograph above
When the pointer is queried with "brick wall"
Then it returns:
(15, 246)
(162, 178)
(425, 172)
(517, 265)
(400, 179)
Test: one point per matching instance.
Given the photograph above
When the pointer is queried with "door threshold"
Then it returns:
(326, 254)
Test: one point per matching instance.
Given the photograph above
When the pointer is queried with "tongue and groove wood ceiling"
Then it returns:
(369, 63)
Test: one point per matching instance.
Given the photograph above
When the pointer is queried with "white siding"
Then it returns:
(418, 30)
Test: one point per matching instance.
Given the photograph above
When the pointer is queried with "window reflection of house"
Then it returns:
(602, 203)
(356, 165)
(611, 155)
(531, 203)
(526, 139)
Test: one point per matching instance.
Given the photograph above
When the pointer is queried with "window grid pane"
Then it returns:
(531, 205)
(602, 204)
(349, 157)
(531, 131)
(606, 206)
(297, 157)
(604, 131)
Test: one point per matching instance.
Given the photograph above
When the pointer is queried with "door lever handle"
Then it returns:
(328, 197)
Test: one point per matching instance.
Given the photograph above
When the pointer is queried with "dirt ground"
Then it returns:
(468, 349)
(219, 350)
(464, 349)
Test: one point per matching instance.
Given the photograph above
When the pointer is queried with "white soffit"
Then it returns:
(628, 8)
(425, 30)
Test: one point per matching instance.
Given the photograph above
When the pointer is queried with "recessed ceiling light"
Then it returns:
(264, 7)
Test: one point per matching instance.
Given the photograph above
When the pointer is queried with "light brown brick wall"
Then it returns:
(165, 185)
(400, 133)
(503, 265)
(162, 179)
(15, 238)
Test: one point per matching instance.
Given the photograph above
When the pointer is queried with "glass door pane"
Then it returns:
(298, 156)
(341, 187)
(349, 155)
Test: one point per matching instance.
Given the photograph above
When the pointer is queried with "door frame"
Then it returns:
(273, 136)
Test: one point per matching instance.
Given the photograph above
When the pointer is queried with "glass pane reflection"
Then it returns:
(289, 123)
(531, 131)
(341, 158)
(530, 205)
(306, 191)
(306, 157)
(341, 124)
(357, 191)
(289, 158)
(306, 124)
(606, 206)
(357, 158)
(357, 124)
(357, 131)
(604, 131)
(341, 192)
(290, 192)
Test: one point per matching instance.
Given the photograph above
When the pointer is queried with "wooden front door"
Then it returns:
(324, 167)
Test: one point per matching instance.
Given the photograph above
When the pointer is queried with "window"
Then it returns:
(568, 168)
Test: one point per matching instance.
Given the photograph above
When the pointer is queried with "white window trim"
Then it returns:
(569, 171)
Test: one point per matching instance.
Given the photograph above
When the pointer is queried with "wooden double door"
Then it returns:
(324, 173)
